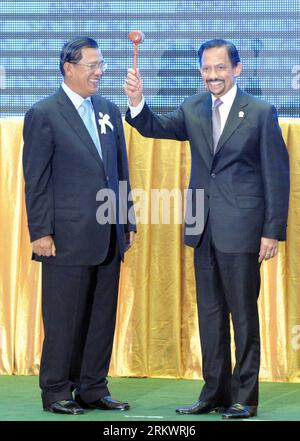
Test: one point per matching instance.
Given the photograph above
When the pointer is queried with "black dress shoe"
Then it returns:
(200, 407)
(240, 411)
(105, 403)
(65, 406)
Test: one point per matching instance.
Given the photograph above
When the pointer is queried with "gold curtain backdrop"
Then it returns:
(157, 328)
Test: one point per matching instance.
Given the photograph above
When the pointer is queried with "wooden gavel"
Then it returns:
(136, 37)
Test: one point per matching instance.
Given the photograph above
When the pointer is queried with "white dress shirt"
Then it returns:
(227, 100)
(135, 111)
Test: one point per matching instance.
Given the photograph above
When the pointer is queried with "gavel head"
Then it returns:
(136, 37)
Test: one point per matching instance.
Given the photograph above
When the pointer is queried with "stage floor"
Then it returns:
(151, 399)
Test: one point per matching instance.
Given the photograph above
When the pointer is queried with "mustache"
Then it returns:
(215, 79)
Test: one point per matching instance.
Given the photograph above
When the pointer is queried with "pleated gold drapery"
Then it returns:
(157, 328)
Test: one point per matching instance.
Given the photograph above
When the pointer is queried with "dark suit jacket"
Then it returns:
(246, 183)
(63, 173)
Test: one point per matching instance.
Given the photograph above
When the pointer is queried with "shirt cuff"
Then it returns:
(135, 111)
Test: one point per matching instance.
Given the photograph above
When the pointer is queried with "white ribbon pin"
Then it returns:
(103, 122)
(241, 114)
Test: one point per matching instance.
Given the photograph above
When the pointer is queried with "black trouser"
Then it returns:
(79, 306)
(228, 283)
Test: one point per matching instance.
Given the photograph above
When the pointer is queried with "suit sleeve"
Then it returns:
(168, 126)
(275, 173)
(123, 172)
(37, 166)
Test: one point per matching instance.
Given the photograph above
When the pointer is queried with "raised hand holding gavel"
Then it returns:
(133, 85)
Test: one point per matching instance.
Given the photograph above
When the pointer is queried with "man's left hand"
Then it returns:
(268, 249)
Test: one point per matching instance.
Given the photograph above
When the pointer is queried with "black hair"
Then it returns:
(218, 42)
(71, 51)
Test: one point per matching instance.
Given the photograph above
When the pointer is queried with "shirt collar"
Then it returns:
(76, 99)
(228, 98)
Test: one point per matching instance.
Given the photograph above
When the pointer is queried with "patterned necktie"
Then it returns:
(85, 111)
(216, 123)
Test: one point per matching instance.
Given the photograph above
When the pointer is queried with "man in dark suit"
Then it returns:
(74, 156)
(240, 160)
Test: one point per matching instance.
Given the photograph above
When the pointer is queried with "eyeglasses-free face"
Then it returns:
(217, 72)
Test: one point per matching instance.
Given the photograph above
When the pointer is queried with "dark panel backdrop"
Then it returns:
(267, 33)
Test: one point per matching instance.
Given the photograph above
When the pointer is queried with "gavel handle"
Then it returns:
(136, 50)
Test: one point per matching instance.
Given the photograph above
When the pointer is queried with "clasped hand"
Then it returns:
(268, 249)
(44, 246)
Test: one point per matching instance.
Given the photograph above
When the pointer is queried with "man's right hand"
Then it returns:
(44, 246)
(133, 87)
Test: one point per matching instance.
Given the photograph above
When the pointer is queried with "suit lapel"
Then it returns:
(70, 114)
(100, 106)
(236, 116)
(204, 118)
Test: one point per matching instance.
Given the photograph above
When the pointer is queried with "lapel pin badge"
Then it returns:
(241, 114)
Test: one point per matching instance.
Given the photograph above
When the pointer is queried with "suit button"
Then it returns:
(213, 175)
(107, 178)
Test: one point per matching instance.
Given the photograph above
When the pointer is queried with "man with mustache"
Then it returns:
(240, 160)
(67, 160)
